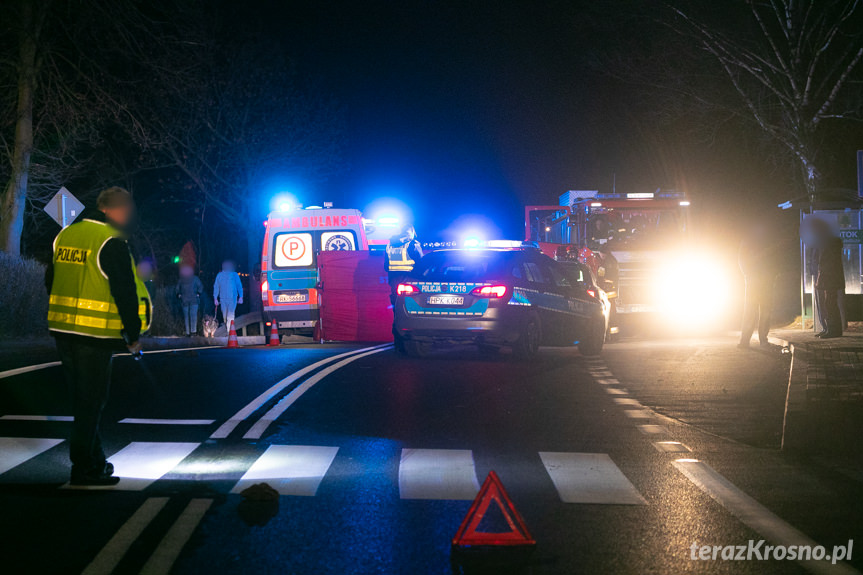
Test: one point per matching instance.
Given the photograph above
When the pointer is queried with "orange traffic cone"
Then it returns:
(274, 336)
(232, 337)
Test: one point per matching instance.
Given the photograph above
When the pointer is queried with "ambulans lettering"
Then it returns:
(321, 221)
(72, 255)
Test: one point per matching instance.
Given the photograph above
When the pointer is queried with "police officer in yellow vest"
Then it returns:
(403, 251)
(96, 305)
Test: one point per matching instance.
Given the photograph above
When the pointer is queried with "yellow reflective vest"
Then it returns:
(398, 259)
(80, 301)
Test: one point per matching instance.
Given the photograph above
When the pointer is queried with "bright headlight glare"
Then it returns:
(691, 292)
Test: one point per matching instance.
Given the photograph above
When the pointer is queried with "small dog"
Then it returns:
(209, 325)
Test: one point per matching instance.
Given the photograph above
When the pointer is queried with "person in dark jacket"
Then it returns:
(96, 305)
(756, 259)
(829, 283)
(189, 290)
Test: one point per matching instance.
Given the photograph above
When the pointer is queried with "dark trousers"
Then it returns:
(756, 308)
(88, 371)
(394, 279)
(829, 314)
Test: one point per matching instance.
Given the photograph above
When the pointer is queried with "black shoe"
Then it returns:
(831, 335)
(821, 334)
(103, 478)
(743, 345)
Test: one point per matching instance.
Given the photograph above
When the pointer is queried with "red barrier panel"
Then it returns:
(355, 297)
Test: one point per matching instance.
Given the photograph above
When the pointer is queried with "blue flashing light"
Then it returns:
(285, 207)
(472, 242)
(388, 221)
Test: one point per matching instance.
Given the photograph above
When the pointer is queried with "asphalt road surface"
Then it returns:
(617, 465)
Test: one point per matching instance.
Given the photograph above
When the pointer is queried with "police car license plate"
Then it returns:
(446, 300)
(291, 298)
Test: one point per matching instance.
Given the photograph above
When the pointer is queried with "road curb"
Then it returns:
(816, 423)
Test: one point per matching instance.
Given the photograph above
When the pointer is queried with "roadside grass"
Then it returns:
(24, 305)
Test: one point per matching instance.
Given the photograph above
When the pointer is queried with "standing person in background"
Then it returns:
(757, 262)
(145, 274)
(228, 291)
(96, 305)
(829, 282)
(189, 290)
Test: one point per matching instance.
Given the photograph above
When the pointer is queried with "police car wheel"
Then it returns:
(591, 344)
(528, 341)
(417, 348)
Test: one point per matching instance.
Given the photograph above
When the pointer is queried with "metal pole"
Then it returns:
(63, 210)
(803, 281)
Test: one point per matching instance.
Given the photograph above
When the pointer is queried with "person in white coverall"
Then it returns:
(228, 291)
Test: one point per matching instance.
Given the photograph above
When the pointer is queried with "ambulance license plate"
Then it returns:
(299, 297)
(446, 300)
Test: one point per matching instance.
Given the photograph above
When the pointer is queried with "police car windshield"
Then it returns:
(463, 266)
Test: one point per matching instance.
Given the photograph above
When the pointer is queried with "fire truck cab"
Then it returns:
(289, 268)
(625, 238)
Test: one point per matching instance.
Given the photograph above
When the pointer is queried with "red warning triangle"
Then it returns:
(492, 491)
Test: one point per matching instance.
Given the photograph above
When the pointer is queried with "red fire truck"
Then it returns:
(631, 241)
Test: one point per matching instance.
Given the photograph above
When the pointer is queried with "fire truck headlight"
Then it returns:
(692, 293)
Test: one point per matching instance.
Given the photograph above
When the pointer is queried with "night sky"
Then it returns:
(458, 108)
(468, 110)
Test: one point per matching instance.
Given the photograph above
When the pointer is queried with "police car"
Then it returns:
(493, 298)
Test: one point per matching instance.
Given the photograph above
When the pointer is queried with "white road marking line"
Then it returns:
(602, 374)
(290, 469)
(637, 413)
(615, 391)
(670, 447)
(627, 401)
(112, 553)
(163, 558)
(589, 478)
(437, 474)
(260, 426)
(27, 369)
(37, 367)
(142, 463)
(16, 450)
(228, 427)
(37, 418)
(608, 381)
(168, 421)
(651, 429)
(753, 514)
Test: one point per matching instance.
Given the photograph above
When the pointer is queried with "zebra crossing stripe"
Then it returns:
(16, 450)
(63, 418)
(437, 474)
(290, 469)
(589, 478)
(142, 463)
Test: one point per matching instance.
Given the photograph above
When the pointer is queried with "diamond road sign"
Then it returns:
(64, 207)
(851, 236)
